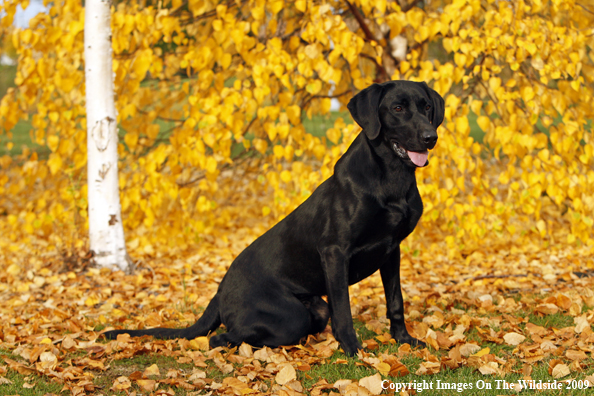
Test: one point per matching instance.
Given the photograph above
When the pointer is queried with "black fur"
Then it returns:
(350, 227)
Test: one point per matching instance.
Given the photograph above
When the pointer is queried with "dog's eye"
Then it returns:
(428, 107)
(398, 109)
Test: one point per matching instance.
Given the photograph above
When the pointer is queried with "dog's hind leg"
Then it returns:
(208, 322)
(282, 320)
(319, 311)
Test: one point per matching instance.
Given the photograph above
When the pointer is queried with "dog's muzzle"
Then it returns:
(417, 158)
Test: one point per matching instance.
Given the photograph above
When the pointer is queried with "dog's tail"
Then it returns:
(209, 321)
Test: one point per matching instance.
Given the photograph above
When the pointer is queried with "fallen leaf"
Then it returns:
(383, 368)
(581, 323)
(398, 369)
(342, 384)
(563, 302)
(286, 374)
(245, 350)
(469, 349)
(428, 368)
(236, 384)
(372, 383)
(5, 381)
(560, 371)
(513, 338)
(200, 344)
(153, 369)
(121, 383)
(295, 385)
(482, 352)
(355, 390)
(547, 346)
(575, 355)
(48, 361)
(533, 329)
(371, 344)
(197, 374)
(147, 384)
(68, 343)
(490, 368)
(547, 309)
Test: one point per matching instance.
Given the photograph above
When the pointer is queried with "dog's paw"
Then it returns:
(405, 338)
(351, 350)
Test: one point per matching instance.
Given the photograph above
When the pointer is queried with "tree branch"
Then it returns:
(410, 6)
(306, 102)
(368, 34)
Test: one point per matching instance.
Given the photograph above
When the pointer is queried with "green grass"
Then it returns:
(20, 133)
(319, 124)
(7, 76)
(42, 385)
(21, 138)
(557, 320)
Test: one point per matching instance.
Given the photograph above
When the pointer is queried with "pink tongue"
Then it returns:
(419, 159)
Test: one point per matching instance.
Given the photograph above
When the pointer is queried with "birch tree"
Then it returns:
(106, 232)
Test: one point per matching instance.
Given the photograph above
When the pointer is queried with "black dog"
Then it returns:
(350, 227)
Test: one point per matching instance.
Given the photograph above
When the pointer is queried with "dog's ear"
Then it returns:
(364, 108)
(438, 106)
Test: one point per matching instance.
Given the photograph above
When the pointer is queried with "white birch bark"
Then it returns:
(106, 232)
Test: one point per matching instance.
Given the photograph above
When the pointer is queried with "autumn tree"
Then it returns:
(212, 97)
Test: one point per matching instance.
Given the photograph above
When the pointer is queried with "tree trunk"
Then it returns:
(106, 232)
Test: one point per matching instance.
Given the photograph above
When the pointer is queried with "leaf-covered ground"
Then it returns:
(489, 319)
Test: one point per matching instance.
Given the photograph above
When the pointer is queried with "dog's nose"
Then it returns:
(429, 138)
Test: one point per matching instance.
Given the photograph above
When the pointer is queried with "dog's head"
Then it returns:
(404, 114)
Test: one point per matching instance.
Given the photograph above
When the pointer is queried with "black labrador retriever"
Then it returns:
(350, 227)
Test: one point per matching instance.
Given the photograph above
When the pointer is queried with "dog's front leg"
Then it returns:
(336, 270)
(390, 273)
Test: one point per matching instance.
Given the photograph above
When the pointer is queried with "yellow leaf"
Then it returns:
(482, 352)
(476, 106)
(92, 300)
(13, 269)
(200, 344)
(484, 123)
(383, 368)
(211, 165)
(53, 116)
(153, 369)
(54, 163)
(285, 176)
(301, 5)
(260, 145)
(131, 139)
(333, 135)
(462, 125)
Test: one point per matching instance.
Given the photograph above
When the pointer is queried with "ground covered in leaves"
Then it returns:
(489, 320)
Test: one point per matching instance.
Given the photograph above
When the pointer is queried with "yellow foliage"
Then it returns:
(211, 101)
